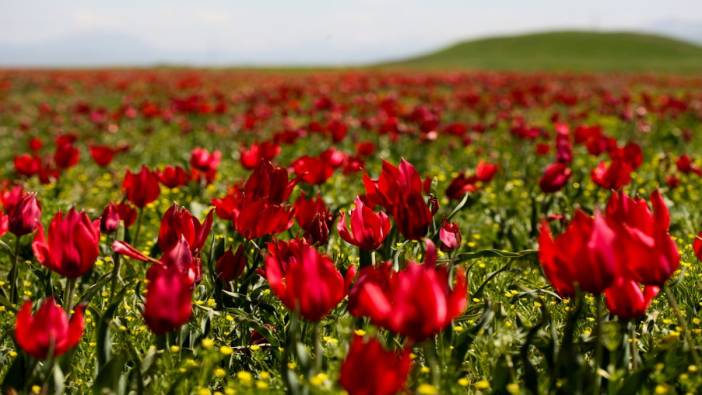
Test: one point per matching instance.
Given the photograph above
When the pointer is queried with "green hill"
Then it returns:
(566, 50)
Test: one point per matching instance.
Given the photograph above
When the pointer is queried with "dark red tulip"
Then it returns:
(204, 161)
(48, 330)
(581, 257)
(178, 222)
(461, 185)
(173, 177)
(556, 175)
(369, 369)
(141, 188)
(413, 217)
(647, 253)
(179, 257)
(127, 213)
(231, 265)
(313, 216)
(25, 216)
(168, 303)
(450, 236)
(368, 228)
(626, 300)
(303, 279)
(416, 302)
(72, 246)
(686, 166)
(66, 154)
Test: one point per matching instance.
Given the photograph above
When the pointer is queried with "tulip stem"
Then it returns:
(634, 346)
(598, 343)
(432, 360)
(13, 272)
(683, 323)
(318, 347)
(115, 274)
(138, 227)
(68, 294)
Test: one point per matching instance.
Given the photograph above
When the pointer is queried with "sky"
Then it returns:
(306, 31)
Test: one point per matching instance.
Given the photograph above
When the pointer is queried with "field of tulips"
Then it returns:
(361, 232)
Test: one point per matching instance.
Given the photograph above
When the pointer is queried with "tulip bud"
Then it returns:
(109, 220)
(450, 236)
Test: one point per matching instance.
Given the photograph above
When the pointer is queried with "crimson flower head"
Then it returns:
(370, 369)
(555, 176)
(485, 171)
(314, 218)
(399, 190)
(626, 300)
(231, 265)
(3, 224)
(72, 246)
(109, 220)
(66, 154)
(305, 281)
(368, 228)
(49, 330)
(25, 216)
(177, 222)
(141, 188)
(173, 177)
(104, 154)
(168, 303)
(583, 256)
(416, 302)
(616, 175)
(204, 161)
(178, 257)
(27, 165)
(251, 157)
(450, 236)
(313, 170)
(647, 253)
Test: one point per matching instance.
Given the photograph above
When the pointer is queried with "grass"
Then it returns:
(565, 51)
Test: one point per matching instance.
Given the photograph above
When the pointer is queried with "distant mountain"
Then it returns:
(97, 48)
(565, 50)
(683, 29)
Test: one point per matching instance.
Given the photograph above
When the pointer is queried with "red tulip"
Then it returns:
(313, 170)
(72, 246)
(127, 213)
(66, 155)
(412, 217)
(178, 257)
(647, 253)
(25, 216)
(173, 177)
(461, 185)
(686, 166)
(48, 330)
(583, 256)
(11, 197)
(204, 161)
(303, 279)
(626, 300)
(697, 246)
(369, 369)
(27, 165)
(314, 218)
(416, 302)
(109, 220)
(231, 265)
(368, 228)
(168, 303)
(177, 222)
(616, 175)
(555, 177)
(450, 236)
(251, 157)
(485, 171)
(141, 188)
(102, 154)
(3, 224)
